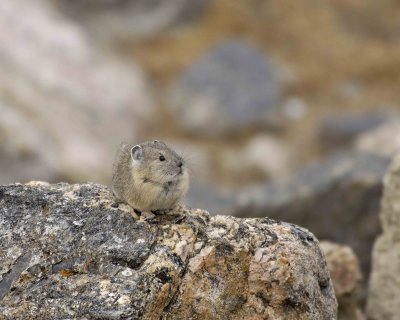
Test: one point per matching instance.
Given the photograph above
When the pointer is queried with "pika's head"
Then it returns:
(155, 162)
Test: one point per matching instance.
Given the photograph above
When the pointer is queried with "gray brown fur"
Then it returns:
(145, 182)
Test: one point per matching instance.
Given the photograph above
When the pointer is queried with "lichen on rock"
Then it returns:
(68, 251)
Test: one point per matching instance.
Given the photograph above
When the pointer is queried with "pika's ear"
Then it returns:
(137, 153)
(160, 143)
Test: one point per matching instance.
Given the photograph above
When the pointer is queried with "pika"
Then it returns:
(149, 176)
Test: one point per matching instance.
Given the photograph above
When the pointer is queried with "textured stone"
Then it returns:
(384, 290)
(337, 199)
(67, 251)
(58, 93)
(346, 278)
(234, 86)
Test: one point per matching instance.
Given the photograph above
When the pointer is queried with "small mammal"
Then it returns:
(149, 176)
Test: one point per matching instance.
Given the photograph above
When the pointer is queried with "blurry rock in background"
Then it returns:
(337, 199)
(20, 145)
(384, 288)
(231, 88)
(340, 131)
(262, 157)
(63, 104)
(346, 277)
(210, 197)
(129, 19)
(217, 173)
(383, 140)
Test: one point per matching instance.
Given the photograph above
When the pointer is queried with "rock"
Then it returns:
(383, 140)
(338, 132)
(337, 199)
(346, 278)
(262, 157)
(233, 86)
(58, 94)
(67, 251)
(122, 19)
(384, 288)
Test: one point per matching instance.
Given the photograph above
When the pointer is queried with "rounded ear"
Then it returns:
(137, 153)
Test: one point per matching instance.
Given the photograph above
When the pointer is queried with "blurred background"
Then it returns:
(286, 109)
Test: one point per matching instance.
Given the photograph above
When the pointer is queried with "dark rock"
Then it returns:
(337, 199)
(67, 253)
(233, 86)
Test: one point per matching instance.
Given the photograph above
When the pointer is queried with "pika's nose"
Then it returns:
(180, 164)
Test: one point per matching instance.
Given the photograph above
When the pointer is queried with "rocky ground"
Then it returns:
(67, 251)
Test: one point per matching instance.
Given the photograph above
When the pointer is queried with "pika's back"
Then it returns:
(149, 176)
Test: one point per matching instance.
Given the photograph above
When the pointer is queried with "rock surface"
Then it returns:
(234, 86)
(346, 276)
(337, 199)
(58, 94)
(384, 294)
(67, 251)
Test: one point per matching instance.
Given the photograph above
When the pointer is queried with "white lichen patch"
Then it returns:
(78, 222)
(38, 183)
(127, 272)
(124, 299)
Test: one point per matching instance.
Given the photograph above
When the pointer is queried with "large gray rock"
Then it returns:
(234, 86)
(384, 293)
(63, 104)
(67, 252)
(130, 19)
(337, 199)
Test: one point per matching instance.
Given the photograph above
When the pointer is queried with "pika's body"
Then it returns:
(149, 176)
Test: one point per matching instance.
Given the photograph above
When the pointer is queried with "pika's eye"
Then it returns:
(162, 158)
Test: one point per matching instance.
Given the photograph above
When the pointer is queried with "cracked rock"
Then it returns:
(69, 252)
